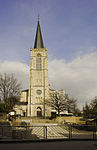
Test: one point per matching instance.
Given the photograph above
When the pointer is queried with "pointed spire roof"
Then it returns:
(38, 39)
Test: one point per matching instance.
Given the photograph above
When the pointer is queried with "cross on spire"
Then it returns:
(38, 17)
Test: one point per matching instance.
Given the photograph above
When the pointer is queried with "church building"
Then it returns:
(33, 101)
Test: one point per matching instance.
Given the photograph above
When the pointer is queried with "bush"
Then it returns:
(23, 124)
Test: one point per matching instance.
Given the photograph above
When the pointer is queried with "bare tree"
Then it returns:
(87, 112)
(58, 101)
(72, 105)
(90, 110)
(93, 106)
(94, 102)
(9, 89)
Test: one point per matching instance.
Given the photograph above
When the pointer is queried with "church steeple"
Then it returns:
(38, 39)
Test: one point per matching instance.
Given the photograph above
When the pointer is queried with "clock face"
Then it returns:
(38, 92)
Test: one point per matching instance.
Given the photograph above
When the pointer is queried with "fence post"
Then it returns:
(2, 131)
(94, 132)
(45, 132)
(70, 132)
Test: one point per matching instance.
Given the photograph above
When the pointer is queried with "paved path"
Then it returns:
(66, 145)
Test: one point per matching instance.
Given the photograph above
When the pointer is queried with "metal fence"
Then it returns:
(45, 132)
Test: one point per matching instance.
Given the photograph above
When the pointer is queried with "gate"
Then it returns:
(48, 132)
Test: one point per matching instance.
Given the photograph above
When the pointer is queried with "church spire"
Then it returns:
(38, 39)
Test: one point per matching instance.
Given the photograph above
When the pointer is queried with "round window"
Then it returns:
(38, 92)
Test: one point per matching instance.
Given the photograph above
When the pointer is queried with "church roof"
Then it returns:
(38, 39)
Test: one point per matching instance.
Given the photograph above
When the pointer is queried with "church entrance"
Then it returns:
(24, 114)
(39, 112)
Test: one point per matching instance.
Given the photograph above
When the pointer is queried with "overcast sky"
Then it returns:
(69, 30)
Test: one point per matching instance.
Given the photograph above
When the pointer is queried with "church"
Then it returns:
(33, 101)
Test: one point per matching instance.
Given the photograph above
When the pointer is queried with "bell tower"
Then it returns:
(38, 84)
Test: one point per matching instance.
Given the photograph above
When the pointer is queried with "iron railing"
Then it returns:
(45, 132)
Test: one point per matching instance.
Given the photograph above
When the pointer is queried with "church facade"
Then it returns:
(33, 101)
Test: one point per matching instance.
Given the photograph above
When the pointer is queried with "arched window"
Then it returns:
(38, 62)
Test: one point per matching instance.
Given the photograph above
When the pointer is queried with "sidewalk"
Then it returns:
(62, 145)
